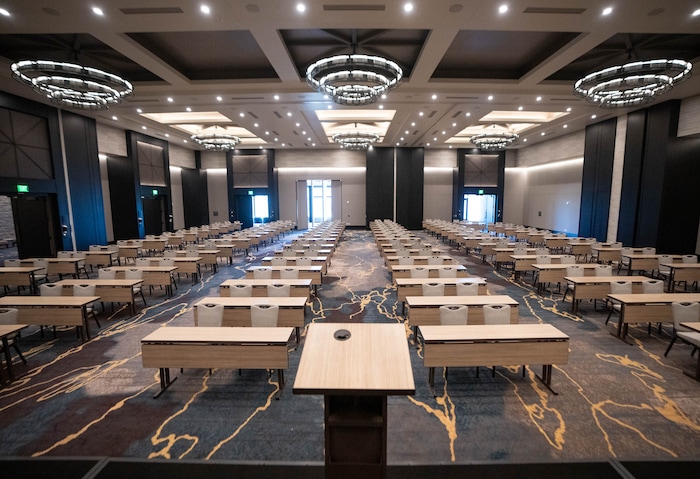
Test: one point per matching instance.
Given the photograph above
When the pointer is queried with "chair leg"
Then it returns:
(19, 353)
(673, 340)
(609, 314)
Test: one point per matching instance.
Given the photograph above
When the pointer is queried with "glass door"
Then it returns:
(479, 208)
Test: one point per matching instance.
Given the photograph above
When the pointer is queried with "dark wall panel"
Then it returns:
(122, 196)
(596, 182)
(380, 184)
(409, 187)
(631, 174)
(84, 179)
(194, 197)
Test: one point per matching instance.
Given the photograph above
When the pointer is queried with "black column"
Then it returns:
(409, 187)
(380, 184)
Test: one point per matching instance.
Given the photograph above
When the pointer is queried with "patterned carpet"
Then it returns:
(95, 399)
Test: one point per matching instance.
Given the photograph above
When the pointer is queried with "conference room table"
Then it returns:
(488, 248)
(216, 347)
(682, 273)
(505, 254)
(301, 252)
(152, 275)
(237, 309)
(555, 273)
(109, 290)
(645, 262)
(184, 264)
(425, 310)
(404, 271)
(58, 266)
(414, 286)
(298, 286)
(695, 326)
(647, 308)
(101, 258)
(420, 259)
(19, 276)
(321, 261)
(494, 345)
(580, 248)
(523, 263)
(557, 243)
(598, 287)
(129, 252)
(7, 330)
(52, 311)
(355, 366)
(313, 272)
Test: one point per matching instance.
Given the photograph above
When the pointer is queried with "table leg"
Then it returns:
(546, 378)
(8, 360)
(431, 380)
(165, 381)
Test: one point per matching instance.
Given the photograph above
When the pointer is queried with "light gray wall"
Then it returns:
(111, 140)
(515, 188)
(177, 198)
(437, 193)
(7, 223)
(217, 195)
(179, 156)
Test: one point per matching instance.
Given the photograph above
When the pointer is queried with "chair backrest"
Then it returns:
(166, 262)
(451, 314)
(41, 263)
(543, 259)
(405, 260)
(304, 261)
(142, 261)
(621, 287)
(264, 315)
(496, 314)
(64, 254)
(133, 273)
(603, 270)
(689, 258)
(542, 251)
(447, 272)
(626, 250)
(420, 272)
(289, 253)
(574, 270)
(648, 250)
(289, 273)
(13, 263)
(106, 273)
(567, 259)
(278, 290)
(684, 312)
(278, 261)
(262, 273)
(241, 290)
(8, 315)
(467, 289)
(50, 289)
(210, 315)
(84, 290)
(170, 253)
(520, 250)
(652, 286)
(435, 260)
(94, 247)
(433, 289)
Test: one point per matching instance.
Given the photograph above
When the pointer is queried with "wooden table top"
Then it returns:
(62, 301)
(125, 283)
(300, 268)
(7, 329)
(682, 265)
(246, 302)
(19, 269)
(264, 282)
(373, 360)
(655, 298)
(396, 267)
(494, 332)
(436, 301)
(564, 266)
(415, 281)
(605, 279)
(228, 334)
(694, 325)
(154, 269)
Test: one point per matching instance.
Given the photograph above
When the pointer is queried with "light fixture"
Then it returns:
(354, 79)
(72, 85)
(633, 83)
(216, 139)
(355, 140)
(498, 139)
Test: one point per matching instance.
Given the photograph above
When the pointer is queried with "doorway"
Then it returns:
(36, 228)
(153, 215)
(479, 208)
(318, 201)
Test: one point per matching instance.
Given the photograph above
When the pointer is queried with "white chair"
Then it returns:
(9, 316)
(278, 290)
(420, 272)
(454, 314)
(496, 314)
(210, 315)
(264, 315)
(171, 253)
(467, 289)
(435, 260)
(262, 273)
(603, 270)
(241, 290)
(87, 290)
(135, 273)
(289, 253)
(652, 286)
(289, 273)
(618, 287)
(405, 260)
(50, 289)
(433, 289)
(567, 259)
(106, 273)
(624, 262)
(689, 258)
(41, 274)
(304, 261)
(664, 271)
(572, 271)
(447, 272)
(143, 261)
(648, 250)
(685, 313)
(278, 261)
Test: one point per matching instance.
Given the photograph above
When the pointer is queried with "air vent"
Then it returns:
(144, 100)
(275, 133)
(462, 97)
(295, 132)
(354, 8)
(457, 114)
(277, 115)
(555, 10)
(415, 132)
(253, 115)
(432, 114)
(150, 10)
(246, 98)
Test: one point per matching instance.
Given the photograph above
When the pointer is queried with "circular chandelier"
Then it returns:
(216, 139)
(355, 140)
(76, 86)
(633, 83)
(497, 140)
(354, 79)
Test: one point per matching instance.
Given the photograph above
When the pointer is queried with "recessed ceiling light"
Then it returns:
(267, 132)
(144, 127)
(283, 144)
(241, 114)
(205, 9)
(406, 132)
(444, 132)
(542, 134)
(297, 124)
(420, 113)
(490, 97)
(255, 125)
(413, 123)
(408, 7)
(467, 114)
(520, 108)
(289, 113)
(167, 135)
(435, 139)
(276, 139)
(434, 97)
(313, 144)
(539, 98)
(397, 143)
(7, 14)
(303, 132)
(97, 11)
(566, 126)
(384, 96)
(139, 110)
(381, 107)
(276, 97)
(184, 141)
(607, 10)
(114, 117)
(450, 146)
(503, 9)
(594, 116)
(188, 109)
(454, 124)
(301, 8)
(427, 144)
(330, 107)
(308, 139)
(170, 99)
(568, 109)
(401, 138)
(695, 13)
(218, 98)
(525, 140)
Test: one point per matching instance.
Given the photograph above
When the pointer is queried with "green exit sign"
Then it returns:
(155, 192)
(250, 193)
(22, 188)
(481, 192)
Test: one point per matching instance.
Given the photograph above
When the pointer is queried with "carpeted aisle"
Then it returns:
(95, 399)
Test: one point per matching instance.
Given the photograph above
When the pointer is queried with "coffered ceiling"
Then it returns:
(241, 66)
